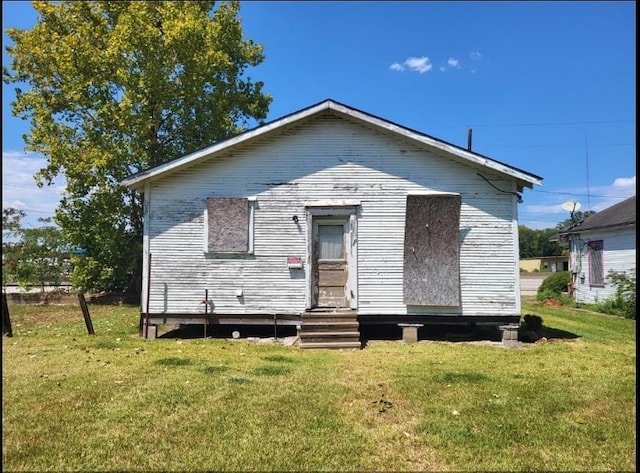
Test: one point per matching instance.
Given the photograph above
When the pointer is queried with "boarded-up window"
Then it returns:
(228, 225)
(431, 250)
(596, 267)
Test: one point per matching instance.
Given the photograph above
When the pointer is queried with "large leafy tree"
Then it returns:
(116, 87)
(536, 243)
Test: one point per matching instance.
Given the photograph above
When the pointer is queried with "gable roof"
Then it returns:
(618, 215)
(524, 179)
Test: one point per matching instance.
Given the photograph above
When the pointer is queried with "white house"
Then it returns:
(331, 214)
(603, 242)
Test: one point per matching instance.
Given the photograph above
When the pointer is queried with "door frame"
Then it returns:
(325, 211)
(343, 223)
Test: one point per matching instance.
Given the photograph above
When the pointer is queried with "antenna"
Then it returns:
(571, 207)
(586, 158)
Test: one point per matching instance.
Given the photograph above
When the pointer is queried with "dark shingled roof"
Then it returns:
(620, 214)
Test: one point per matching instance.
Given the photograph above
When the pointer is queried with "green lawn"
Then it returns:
(113, 401)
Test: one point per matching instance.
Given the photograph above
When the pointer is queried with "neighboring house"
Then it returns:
(545, 264)
(331, 214)
(603, 242)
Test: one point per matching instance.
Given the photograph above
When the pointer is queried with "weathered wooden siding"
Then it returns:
(619, 254)
(328, 158)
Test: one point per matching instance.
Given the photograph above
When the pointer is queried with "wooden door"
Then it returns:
(330, 263)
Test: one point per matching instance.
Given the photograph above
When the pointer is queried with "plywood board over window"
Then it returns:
(596, 268)
(431, 250)
(227, 225)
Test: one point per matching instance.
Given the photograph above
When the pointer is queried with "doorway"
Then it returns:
(329, 261)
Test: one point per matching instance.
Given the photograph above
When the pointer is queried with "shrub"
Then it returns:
(623, 303)
(553, 286)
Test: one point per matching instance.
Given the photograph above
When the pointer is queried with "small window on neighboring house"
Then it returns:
(228, 225)
(596, 268)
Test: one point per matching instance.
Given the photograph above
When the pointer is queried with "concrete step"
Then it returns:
(331, 345)
(328, 321)
(338, 315)
(330, 329)
(330, 337)
(330, 326)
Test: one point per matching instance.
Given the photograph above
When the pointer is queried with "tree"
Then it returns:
(117, 87)
(576, 217)
(528, 242)
(33, 256)
(548, 247)
(11, 231)
(11, 223)
(535, 243)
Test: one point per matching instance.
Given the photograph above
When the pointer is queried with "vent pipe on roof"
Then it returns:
(469, 133)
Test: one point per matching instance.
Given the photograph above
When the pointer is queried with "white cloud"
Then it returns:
(475, 55)
(605, 196)
(20, 191)
(596, 198)
(418, 64)
(625, 183)
(453, 62)
(546, 209)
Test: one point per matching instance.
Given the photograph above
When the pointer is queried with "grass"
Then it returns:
(113, 401)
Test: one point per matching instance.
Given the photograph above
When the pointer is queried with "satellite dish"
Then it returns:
(571, 206)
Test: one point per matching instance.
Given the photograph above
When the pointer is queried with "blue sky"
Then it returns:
(547, 87)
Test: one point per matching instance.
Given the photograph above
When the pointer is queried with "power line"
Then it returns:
(589, 122)
(586, 158)
(15, 186)
(19, 187)
(36, 211)
(506, 125)
(563, 146)
(579, 195)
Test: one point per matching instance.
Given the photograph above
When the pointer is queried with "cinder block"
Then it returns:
(151, 332)
(509, 333)
(410, 332)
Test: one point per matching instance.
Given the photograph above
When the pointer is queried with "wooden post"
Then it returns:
(6, 321)
(275, 326)
(206, 311)
(146, 323)
(85, 313)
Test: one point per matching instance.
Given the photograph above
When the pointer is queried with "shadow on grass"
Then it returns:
(532, 329)
(555, 333)
(174, 361)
